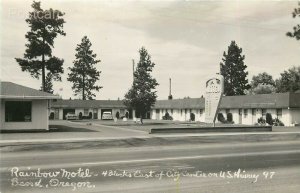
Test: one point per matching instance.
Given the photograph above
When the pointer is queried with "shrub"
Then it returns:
(117, 115)
(127, 115)
(269, 119)
(167, 117)
(261, 121)
(229, 117)
(277, 122)
(221, 118)
(192, 117)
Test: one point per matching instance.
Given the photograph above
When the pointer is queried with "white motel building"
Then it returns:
(26, 108)
(244, 109)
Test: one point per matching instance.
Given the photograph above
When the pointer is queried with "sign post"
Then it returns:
(213, 94)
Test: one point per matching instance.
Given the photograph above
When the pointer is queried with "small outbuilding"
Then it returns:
(22, 107)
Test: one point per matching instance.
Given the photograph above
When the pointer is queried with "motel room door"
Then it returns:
(157, 114)
(253, 116)
(240, 116)
(95, 114)
(56, 114)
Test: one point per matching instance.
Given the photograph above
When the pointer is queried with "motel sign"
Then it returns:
(213, 93)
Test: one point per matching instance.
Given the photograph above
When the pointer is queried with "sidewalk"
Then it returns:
(142, 141)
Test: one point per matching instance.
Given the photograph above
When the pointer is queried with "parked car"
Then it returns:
(107, 116)
(71, 116)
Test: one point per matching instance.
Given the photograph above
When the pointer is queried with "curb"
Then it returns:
(212, 129)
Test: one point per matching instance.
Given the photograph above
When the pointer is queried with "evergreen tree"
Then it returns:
(84, 74)
(44, 25)
(142, 95)
(296, 32)
(234, 71)
(289, 80)
(48, 83)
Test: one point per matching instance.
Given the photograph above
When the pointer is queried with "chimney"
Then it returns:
(170, 97)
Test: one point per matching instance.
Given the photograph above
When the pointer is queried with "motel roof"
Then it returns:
(9, 90)
(275, 100)
(186, 103)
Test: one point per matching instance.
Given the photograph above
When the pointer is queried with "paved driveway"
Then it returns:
(67, 129)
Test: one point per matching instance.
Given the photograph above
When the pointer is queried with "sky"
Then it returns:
(186, 40)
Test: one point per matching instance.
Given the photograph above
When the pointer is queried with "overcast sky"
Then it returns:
(185, 39)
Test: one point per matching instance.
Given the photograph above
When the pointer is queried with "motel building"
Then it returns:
(26, 108)
(244, 109)
(23, 108)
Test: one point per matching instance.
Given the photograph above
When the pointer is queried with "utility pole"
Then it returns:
(170, 97)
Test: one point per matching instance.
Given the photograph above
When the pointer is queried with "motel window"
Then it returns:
(245, 113)
(253, 111)
(201, 112)
(171, 111)
(181, 112)
(264, 112)
(86, 111)
(240, 111)
(279, 113)
(18, 111)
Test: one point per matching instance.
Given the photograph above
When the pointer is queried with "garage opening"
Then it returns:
(65, 111)
(105, 111)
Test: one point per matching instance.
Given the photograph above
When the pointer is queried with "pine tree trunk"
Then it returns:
(83, 86)
(43, 69)
(43, 73)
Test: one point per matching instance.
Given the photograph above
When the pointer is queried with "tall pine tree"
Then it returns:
(44, 25)
(142, 95)
(234, 71)
(84, 74)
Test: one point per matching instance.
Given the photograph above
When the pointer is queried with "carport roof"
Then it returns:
(88, 104)
(9, 90)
